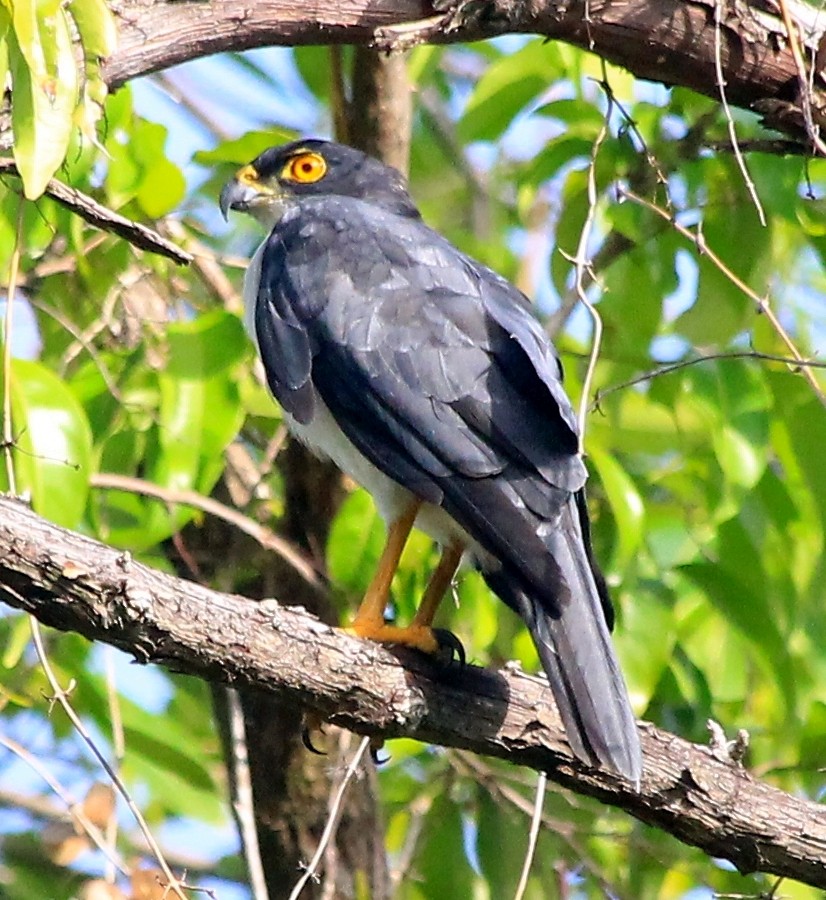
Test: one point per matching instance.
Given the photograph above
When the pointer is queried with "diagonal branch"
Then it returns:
(77, 584)
(106, 219)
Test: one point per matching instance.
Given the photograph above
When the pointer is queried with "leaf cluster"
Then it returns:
(708, 495)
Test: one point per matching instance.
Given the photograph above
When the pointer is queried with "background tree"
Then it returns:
(675, 246)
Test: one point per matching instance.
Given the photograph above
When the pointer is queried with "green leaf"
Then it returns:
(243, 149)
(738, 589)
(506, 87)
(626, 505)
(45, 97)
(162, 188)
(17, 640)
(174, 759)
(200, 410)
(96, 24)
(355, 542)
(53, 444)
(441, 859)
(5, 23)
(162, 185)
(501, 840)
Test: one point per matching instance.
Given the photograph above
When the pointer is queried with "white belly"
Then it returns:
(326, 439)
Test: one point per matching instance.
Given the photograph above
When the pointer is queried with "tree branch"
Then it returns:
(76, 584)
(106, 219)
(672, 41)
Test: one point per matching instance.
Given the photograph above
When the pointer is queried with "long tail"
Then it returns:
(574, 644)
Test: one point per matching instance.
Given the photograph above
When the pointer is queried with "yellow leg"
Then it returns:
(371, 612)
(369, 621)
(438, 584)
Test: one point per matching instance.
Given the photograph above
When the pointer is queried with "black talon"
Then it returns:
(450, 646)
(377, 744)
(307, 740)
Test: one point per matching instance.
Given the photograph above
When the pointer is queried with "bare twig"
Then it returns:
(718, 63)
(60, 696)
(332, 819)
(74, 808)
(533, 837)
(83, 341)
(419, 808)
(11, 291)
(499, 790)
(804, 88)
(242, 799)
(106, 219)
(762, 304)
(206, 265)
(264, 536)
(710, 357)
(118, 742)
(582, 265)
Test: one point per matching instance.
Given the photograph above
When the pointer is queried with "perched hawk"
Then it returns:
(423, 375)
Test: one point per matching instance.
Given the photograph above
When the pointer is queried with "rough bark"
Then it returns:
(671, 41)
(76, 584)
(290, 787)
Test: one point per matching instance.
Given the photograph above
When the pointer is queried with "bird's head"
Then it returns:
(283, 176)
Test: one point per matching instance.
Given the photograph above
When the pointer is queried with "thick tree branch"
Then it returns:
(672, 41)
(76, 584)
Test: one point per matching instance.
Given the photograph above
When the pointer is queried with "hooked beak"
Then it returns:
(247, 193)
(236, 195)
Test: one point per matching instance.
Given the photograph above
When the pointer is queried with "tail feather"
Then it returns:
(574, 645)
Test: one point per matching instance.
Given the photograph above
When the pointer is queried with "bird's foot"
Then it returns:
(438, 642)
(312, 722)
(376, 746)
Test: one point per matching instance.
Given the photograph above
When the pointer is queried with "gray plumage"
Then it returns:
(436, 372)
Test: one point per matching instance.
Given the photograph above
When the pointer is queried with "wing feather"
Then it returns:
(437, 372)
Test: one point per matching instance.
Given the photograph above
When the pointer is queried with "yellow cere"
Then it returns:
(247, 175)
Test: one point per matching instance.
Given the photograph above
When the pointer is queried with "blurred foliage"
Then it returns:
(708, 490)
(51, 52)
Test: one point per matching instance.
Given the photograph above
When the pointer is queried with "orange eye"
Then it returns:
(305, 168)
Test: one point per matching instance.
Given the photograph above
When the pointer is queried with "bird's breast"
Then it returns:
(325, 439)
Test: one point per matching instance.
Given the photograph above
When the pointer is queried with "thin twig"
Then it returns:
(74, 808)
(61, 698)
(711, 357)
(732, 131)
(499, 790)
(106, 219)
(533, 837)
(264, 536)
(11, 291)
(332, 820)
(762, 304)
(206, 265)
(43, 808)
(118, 741)
(242, 800)
(83, 341)
(581, 263)
(419, 808)
(805, 92)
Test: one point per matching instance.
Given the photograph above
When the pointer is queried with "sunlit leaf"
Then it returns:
(44, 99)
(507, 86)
(626, 505)
(96, 25)
(240, 151)
(53, 446)
(355, 542)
